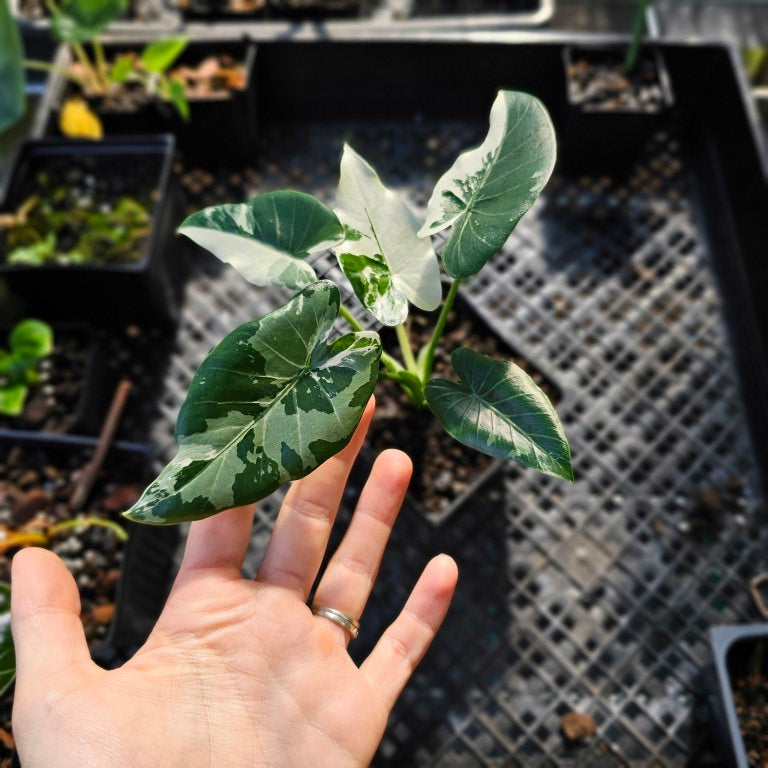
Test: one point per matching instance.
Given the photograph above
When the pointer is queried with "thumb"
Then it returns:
(45, 617)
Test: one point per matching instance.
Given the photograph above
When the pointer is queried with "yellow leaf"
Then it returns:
(76, 120)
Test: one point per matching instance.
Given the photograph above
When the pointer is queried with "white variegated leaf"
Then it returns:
(270, 403)
(383, 257)
(488, 189)
(268, 238)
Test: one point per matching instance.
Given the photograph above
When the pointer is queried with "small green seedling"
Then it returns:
(60, 224)
(28, 343)
(638, 33)
(280, 394)
(79, 25)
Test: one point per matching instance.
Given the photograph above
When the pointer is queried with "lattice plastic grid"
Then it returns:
(595, 596)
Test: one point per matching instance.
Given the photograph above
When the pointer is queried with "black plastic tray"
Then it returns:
(642, 299)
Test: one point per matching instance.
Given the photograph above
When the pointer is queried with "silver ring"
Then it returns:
(347, 622)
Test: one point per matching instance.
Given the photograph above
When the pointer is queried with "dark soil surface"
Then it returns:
(750, 694)
(52, 405)
(443, 469)
(597, 81)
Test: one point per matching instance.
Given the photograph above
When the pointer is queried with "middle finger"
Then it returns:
(306, 517)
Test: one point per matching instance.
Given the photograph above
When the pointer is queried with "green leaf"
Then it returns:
(270, 403)
(7, 651)
(160, 54)
(80, 21)
(31, 339)
(12, 101)
(12, 399)
(267, 238)
(178, 96)
(34, 254)
(488, 189)
(498, 409)
(383, 257)
(121, 69)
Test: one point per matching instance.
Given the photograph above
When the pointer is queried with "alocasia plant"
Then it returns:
(279, 395)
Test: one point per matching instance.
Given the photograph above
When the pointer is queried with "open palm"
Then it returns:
(236, 672)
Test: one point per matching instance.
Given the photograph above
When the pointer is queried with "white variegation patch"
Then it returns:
(384, 231)
(268, 238)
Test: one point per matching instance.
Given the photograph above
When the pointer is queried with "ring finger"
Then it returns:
(347, 582)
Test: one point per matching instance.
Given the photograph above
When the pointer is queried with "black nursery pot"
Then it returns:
(608, 137)
(146, 290)
(218, 10)
(89, 393)
(219, 130)
(740, 652)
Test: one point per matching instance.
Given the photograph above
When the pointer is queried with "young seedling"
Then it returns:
(71, 224)
(638, 33)
(279, 395)
(28, 343)
(79, 24)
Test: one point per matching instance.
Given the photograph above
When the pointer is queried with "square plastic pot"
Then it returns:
(148, 290)
(608, 140)
(219, 130)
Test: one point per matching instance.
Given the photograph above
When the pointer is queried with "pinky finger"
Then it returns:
(406, 640)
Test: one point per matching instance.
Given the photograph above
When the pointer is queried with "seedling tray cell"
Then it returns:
(641, 300)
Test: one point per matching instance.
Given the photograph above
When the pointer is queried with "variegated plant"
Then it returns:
(278, 396)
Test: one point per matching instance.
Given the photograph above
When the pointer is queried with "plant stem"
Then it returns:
(428, 353)
(638, 32)
(16, 540)
(405, 347)
(44, 66)
(350, 318)
(410, 383)
(91, 74)
(387, 360)
(89, 522)
(101, 62)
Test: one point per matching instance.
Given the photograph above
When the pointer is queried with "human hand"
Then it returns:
(236, 672)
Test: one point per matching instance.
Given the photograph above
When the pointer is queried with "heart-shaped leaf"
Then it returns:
(79, 21)
(7, 652)
(383, 257)
(267, 238)
(270, 403)
(498, 409)
(12, 99)
(488, 189)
